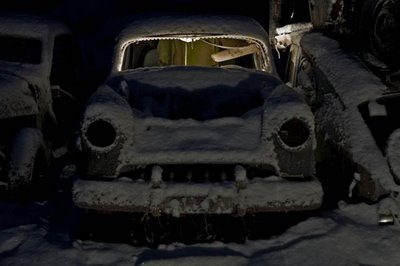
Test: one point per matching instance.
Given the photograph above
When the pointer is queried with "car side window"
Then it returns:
(66, 58)
(20, 49)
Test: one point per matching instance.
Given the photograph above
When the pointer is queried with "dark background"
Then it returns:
(86, 14)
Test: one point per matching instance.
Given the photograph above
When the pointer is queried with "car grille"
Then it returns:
(199, 173)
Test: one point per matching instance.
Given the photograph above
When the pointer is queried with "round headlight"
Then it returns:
(100, 133)
(294, 132)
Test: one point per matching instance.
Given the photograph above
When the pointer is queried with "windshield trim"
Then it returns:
(264, 55)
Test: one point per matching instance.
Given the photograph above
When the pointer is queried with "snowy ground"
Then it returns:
(44, 233)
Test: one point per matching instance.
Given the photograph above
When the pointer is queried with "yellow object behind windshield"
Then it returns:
(176, 52)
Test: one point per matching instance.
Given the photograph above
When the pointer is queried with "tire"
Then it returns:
(379, 31)
(28, 165)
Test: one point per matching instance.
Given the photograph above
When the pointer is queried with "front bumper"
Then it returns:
(271, 194)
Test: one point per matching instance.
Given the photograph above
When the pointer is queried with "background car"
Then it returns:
(38, 66)
(355, 115)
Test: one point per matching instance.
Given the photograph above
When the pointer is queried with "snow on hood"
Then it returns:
(222, 122)
(29, 72)
(195, 92)
(193, 78)
(16, 98)
(355, 83)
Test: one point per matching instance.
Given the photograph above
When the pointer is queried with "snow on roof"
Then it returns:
(240, 26)
(29, 25)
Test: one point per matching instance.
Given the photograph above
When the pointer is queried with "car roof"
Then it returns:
(18, 24)
(164, 26)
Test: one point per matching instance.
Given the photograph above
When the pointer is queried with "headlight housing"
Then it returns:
(294, 133)
(100, 134)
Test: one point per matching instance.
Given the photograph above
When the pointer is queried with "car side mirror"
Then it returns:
(55, 91)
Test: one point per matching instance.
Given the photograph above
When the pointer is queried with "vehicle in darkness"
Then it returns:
(369, 26)
(356, 125)
(38, 59)
(194, 119)
(353, 92)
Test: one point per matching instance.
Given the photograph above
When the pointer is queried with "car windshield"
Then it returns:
(20, 49)
(211, 52)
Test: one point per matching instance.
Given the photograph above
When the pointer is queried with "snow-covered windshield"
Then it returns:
(211, 52)
(20, 49)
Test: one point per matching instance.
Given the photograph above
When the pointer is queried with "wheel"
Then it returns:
(28, 165)
(379, 30)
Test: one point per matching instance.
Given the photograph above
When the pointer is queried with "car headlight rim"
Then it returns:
(294, 134)
(100, 134)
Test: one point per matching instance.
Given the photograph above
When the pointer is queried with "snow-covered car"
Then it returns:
(194, 119)
(37, 62)
(356, 118)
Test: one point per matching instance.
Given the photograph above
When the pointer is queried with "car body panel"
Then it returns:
(15, 102)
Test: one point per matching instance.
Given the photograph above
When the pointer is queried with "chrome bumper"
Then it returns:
(272, 194)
